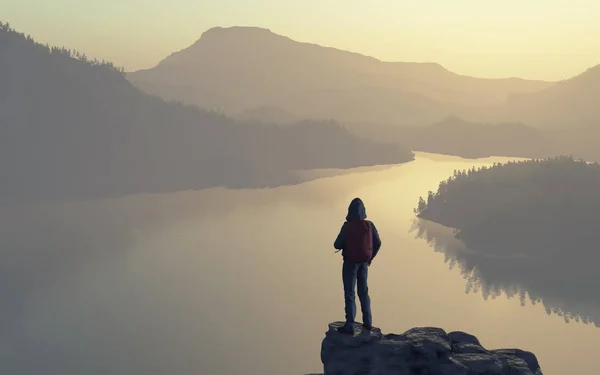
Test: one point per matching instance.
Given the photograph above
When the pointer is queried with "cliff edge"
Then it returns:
(419, 351)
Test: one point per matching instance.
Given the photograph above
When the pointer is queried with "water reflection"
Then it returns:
(115, 280)
(238, 281)
(39, 243)
(564, 281)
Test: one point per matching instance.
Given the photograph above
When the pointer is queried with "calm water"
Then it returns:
(241, 282)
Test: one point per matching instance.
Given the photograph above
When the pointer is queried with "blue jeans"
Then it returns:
(353, 274)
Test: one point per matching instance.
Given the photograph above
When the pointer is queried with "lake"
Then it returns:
(241, 281)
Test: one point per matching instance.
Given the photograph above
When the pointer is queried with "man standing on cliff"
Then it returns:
(359, 241)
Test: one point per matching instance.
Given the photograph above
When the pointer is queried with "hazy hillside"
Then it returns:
(76, 128)
(240, 68)
(567, 112)
(268, 114)
(568, 104)
(455, 136)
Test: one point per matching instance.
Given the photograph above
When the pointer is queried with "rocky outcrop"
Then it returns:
(419, 351)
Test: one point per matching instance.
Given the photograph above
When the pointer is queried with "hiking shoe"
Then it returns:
(345, 329)
(368, 327)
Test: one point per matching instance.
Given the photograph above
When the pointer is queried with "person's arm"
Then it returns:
(340, 241)
(376, 240)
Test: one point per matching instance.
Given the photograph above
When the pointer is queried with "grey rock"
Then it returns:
(418, 351)
(515, 366)
(468, 348)
(526, 356)
(459, 337)
(480, 364)
(453, 367)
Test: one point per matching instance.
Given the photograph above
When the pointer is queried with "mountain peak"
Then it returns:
(241, 67)
(233, 33)
(220, 30)
(218, 39)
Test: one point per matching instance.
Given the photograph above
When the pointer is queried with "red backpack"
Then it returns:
(359, 241)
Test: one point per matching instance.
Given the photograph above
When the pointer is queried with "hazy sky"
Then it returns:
(541, 39)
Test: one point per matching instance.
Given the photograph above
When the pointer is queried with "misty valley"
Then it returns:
(180, 219)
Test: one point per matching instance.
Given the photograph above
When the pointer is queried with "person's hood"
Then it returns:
(356, 210)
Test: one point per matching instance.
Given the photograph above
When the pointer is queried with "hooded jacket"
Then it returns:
(357, 211)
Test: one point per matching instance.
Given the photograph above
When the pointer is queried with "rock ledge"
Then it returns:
(419, 351)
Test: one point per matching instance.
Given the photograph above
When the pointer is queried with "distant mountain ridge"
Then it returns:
(572, 102)
(455, 136)
(71, 128)
(255, 74)
(239, 68)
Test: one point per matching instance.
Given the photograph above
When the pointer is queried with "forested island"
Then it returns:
(528, 226)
